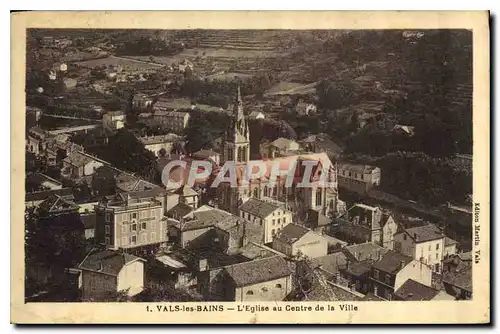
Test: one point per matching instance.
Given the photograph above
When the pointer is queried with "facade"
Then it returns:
(130, 220)
(424, 243)
(113, 120)
(268, 279)
(107, 273)
(364, 223)
(271, 217)
(393, 270)
(156, 143)
(294, 240)
(358, 178)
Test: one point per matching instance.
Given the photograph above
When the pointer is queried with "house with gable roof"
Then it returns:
(294, 240)
(266, 279)
(107, 273)
(423, 243)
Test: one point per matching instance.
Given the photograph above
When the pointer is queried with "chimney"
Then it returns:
(415, 236)
(100, 267)
(402, 264)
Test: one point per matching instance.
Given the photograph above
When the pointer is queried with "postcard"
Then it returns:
(250, 167)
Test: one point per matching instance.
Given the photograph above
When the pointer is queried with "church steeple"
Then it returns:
(237, 143)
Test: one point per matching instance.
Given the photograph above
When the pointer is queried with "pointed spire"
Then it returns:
(238, 97)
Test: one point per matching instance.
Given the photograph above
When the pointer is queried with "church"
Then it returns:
(318, 196)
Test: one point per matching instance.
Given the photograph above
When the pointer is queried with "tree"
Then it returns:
(198, 134)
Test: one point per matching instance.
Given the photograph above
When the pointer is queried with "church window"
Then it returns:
(265, 191)
(318, 197)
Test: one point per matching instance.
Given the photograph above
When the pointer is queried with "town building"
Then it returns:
(393, 270)
(176, 121)
(113, 120)
(107, 273)
(141, 101)
(295, 241)
(364, 223)
(156, 143)
(130, 220)
(457, 275)
(423, 243)
(278, 148)
(271, 217)
(321, 142)
(78, 164)
(35, 198)
(267, 279)
(414, 291)
(358, 178)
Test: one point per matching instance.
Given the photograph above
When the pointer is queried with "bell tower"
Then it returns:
(237, 140)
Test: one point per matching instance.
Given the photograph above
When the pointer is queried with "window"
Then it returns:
(108, 217)
(250, 293)
(284, 220)
(388, 279)
(279, 221)
(264, 289)
(265, 191)
(273, 232)
(355, 175)
(318, 197)
(437, 256)
(274, 222)
(375, 290)
(144, 226)
(106, 229)
(375, 273)
(362, 177)
(153, 213)
(404, 236)
(437, 246)
(124, 228)
(278, 286)
(133, 227)
(134, 239)
(144, 237)
(153, 236)
(107, 241)
(429, 248)
(350, 174)
(124, 241)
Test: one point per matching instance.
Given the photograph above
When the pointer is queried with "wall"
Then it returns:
(415, 270)
(155, 232)
(188, 236)
(450, 250)
(273, 292)
(131, 277)
(94, 285)
(404, 244)
(431, 252)
(311, 245)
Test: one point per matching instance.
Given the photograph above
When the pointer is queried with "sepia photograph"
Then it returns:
(183, 169)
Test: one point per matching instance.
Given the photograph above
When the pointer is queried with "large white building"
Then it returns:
(424, 243)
